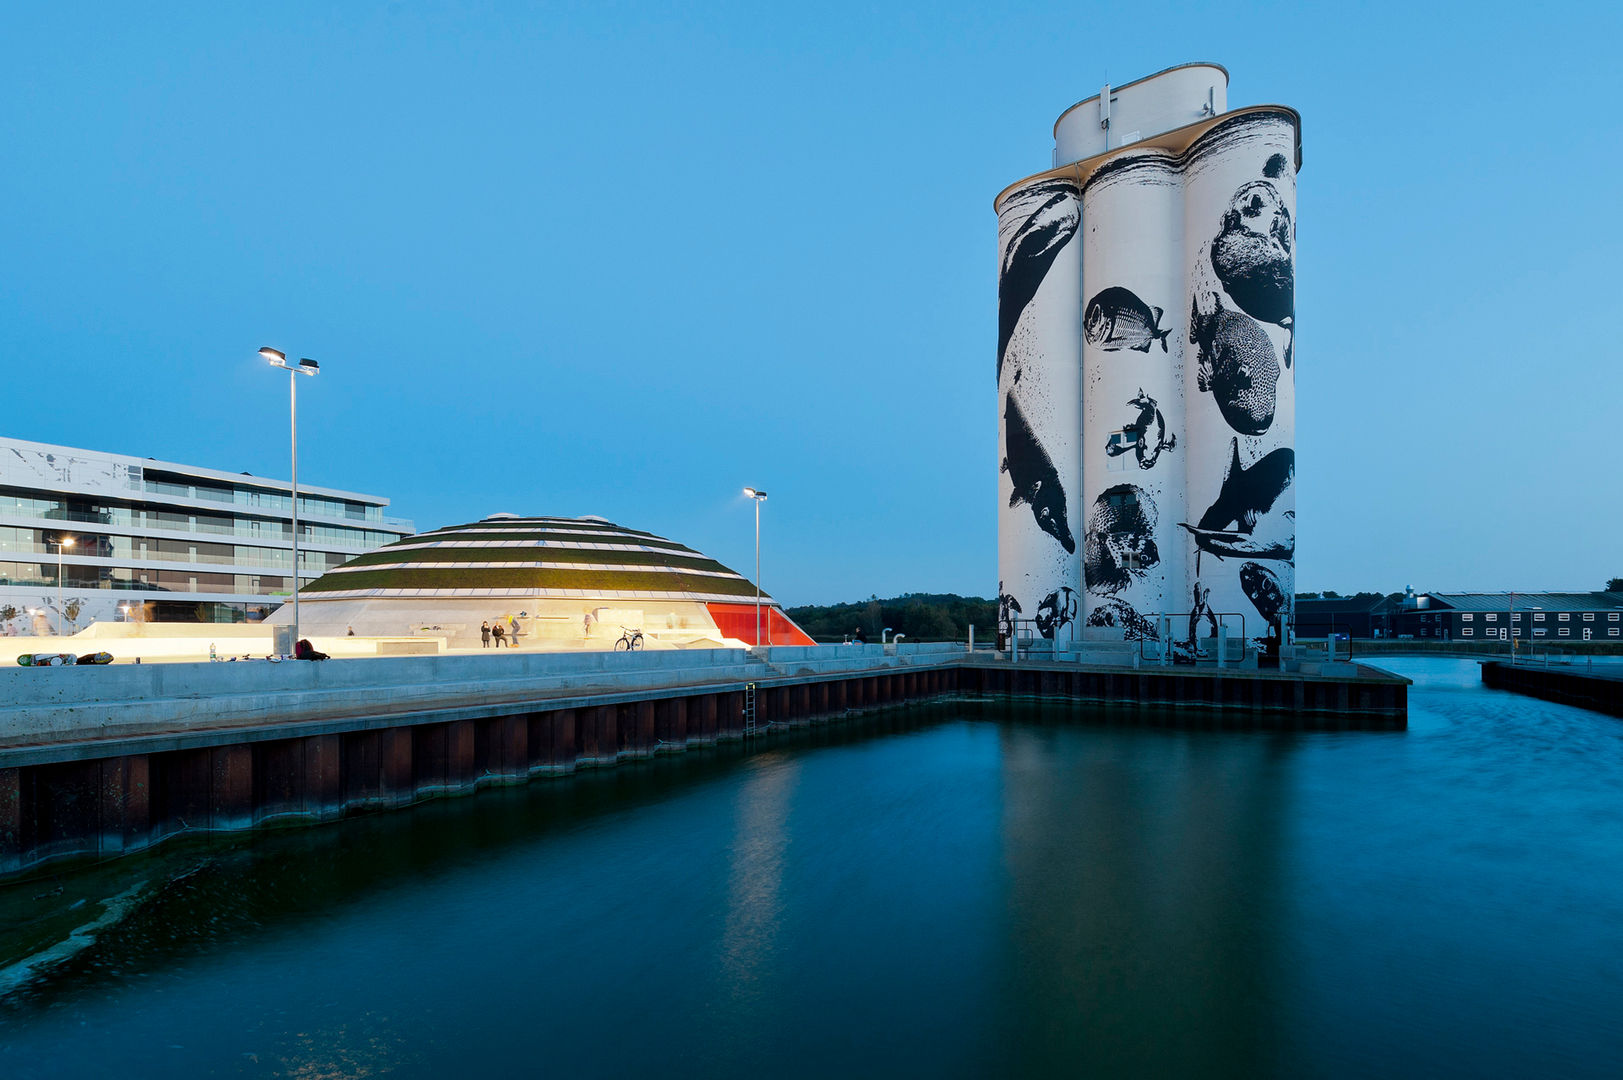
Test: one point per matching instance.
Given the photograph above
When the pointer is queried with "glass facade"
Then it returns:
(129, 534)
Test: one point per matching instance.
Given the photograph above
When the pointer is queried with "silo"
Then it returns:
(1239, 384)
(1163, 484)
(1039, 421)
(1132, 393)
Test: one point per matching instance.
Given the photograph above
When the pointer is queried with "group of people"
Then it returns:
(504, 630)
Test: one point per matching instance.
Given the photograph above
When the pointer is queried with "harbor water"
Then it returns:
(951, 890)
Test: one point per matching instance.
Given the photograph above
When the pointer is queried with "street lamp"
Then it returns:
(305, 366)
(61, 542)
(759, 497)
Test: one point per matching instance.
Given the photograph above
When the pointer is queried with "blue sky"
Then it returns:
(625, 259)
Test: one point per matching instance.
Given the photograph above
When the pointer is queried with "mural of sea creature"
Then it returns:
(1032, 250)
(1119, 544)
(1252, 254)
(1120, 613)
(1007, 608)
(1036, 481)
(1149, 412)
(1118, 319)
(1202, 609)
(1249, 520)
(1057, 610)
(1263, 589)
(1237, 365)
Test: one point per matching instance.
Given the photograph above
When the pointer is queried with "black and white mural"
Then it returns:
(1239, 520)
(1039, 433)
(1132, 393)
(1116, 319)
(1156, 447)
(1236, 365)
(1251, 516)
(1119, 548)
(1136, 435)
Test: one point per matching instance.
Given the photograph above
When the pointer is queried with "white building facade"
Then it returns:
(1146, 388)
(144, 540)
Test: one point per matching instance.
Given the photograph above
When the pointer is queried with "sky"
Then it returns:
(625, 259)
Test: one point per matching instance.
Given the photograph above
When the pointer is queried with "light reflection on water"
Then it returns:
(956, 891)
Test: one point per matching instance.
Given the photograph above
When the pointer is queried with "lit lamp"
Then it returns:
(61, 542)
(759, 497)
(305, 366)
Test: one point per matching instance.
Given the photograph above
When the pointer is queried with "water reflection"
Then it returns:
(755, 879)
(1144, 877)
(964, 891)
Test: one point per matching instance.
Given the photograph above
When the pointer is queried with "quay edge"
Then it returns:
(84, 776)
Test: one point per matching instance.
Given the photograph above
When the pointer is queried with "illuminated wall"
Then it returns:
(1165, 318)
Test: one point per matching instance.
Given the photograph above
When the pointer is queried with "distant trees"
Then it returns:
(921, 616)
(1615, 585)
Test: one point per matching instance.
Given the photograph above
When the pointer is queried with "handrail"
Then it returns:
(1191, 655)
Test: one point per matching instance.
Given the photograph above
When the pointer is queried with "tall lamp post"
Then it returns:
(305, 366)
(61, 609)
(759, 497)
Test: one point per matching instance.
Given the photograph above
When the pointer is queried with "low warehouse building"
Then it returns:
(562, 582)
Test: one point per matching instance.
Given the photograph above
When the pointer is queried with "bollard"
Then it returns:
(1222, 644)
(972, 639)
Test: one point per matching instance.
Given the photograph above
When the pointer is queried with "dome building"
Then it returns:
(566, 583)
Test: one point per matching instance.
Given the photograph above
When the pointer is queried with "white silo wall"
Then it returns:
(1237, 322)
(1133, 448)
(1039, 415)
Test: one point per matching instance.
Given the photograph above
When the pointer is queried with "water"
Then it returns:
(941, 891)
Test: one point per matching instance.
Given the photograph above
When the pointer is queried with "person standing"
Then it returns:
(512, 632)
(484, 635)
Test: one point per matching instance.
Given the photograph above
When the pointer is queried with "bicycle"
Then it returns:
(629, 641)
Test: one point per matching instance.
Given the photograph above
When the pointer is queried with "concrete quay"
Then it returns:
(1599, 689)
(99, 762)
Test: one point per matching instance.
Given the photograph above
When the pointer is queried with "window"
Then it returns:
(1466, 631)
(1539, 617)
(1563, 616)
(1589, 616)
(1491, 618)
(1119, 450)
(1565, 631)
(1612, 617)
(1516, 617)
(1465, 618)
(1612, 632)
(1539, 631)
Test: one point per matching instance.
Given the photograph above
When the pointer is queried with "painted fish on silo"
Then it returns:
(1057, 610)
(1036, 481)
(1120, 613)
(1236, 364)
(1119, 544)
(1265, 593)
(1149, 412)
(1249, 520)
(1033, 249)
(1117, 319)
(1252, 254)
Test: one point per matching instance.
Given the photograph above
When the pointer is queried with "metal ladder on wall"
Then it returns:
(749, 709)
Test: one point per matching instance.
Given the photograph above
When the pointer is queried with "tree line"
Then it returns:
(920, 616)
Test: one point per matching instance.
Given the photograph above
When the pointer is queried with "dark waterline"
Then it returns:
(946, 890)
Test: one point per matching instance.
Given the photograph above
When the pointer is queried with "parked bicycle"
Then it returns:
(629, 640)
